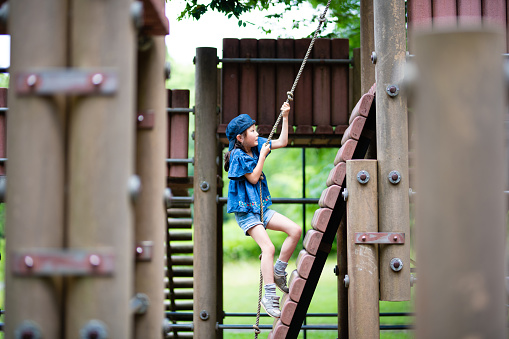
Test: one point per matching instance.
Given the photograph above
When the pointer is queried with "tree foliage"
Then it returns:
(343, 14)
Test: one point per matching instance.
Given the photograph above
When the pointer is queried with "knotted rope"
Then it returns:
(321, 20)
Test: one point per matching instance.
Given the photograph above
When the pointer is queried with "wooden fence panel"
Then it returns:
(248, 90)
(285, 77)
(230, 91)
(303, 92)
(179, 132)
(339, 85)
(321, 88)
(266, 87)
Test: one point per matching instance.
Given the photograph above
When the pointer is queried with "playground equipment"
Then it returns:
(84, 252)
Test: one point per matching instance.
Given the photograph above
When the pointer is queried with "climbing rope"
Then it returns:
(321, 20)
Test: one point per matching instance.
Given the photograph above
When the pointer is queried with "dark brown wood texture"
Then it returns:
(179, 132)
(259, 89)
(3, 125)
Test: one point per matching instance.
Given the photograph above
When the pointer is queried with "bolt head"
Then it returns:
(363, 176)
(394, 177)
(395, 238)
(139, 250)
(392, 89)
(140, 118)
(97, 79)
(29, 261)
(27, 334)
(32, 80)
(94, 260)
(363, 238)
(396, 264)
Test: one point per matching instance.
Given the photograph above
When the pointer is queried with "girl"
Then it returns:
(244, 162)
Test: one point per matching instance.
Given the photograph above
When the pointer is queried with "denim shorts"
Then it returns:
(249, 220)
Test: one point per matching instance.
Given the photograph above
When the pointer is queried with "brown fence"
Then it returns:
(254, 82)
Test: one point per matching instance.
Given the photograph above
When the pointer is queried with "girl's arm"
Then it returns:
(254, 176)
(282, 141)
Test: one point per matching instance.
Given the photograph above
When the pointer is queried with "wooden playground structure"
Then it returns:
(105, 240)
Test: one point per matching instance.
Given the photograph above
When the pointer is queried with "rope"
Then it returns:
(321, 20)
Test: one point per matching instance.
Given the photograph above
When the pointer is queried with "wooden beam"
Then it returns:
(461, 215)
(392, 145)
(362, 216)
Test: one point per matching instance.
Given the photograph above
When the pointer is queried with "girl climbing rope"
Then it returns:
(244, 162)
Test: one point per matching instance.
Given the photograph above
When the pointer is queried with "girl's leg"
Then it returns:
(279, 222)
(259, 234)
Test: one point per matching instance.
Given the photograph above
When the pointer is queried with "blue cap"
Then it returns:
(238, 125)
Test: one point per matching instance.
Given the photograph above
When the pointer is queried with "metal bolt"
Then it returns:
(204, 315)
(204, 186)
(363, 177)
(97, 79)
(137, 13)
(363, 238)
(134, 187)
(396, 264)
(28, 330)
(345, 194)
(140, 118)
(373, 58)
(336, 270)
(31, 80)
(394, 177)
(93, 334)
(94, 260)
(139, 250)
(395, 238)
(392, 90)
(346, 281)
(167, 70)
(413, 280)
(29, 261)
(94, 329)
(167, 197)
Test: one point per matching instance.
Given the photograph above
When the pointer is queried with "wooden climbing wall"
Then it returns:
(319, 111)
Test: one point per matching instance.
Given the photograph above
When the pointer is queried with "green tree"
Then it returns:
(344, 14)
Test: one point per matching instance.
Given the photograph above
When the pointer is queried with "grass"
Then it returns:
(241, 295)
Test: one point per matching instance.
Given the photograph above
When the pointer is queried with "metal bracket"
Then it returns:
(63, 262)
(379, 238)
(144, 250)
(66, 81)
(145, 119)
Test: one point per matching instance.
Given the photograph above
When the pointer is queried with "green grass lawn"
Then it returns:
(241, 295)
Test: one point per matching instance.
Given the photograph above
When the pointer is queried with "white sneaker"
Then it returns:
(271, 306)
(280, 281)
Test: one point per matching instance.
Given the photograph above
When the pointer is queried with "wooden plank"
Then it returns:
(354, 130)
(287, 309)
(248, 79)
(179, 132)
(392, 147)
(329, 196)
(312, 241)
(362, 216)
(37, 169)
(279, 332)
(367, 35)
(3, 129)
(469, 12)
(362, 107)
(155, 21)
(473, 302)
(444, 13)
(337, 174)
(495, 13)
(266, 87)
(322, 88)
(296, 285)
(230, 90)
(303, 96)
(339, 83)
(321, 219)
(346, 151)
(285, 75)
(150, 214)
(305, 262)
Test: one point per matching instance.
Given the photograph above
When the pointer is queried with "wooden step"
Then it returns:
(181, 272)
(182, 283)
(296, 285)
(321, 219)
(179, 212)
(312, 241)
(181, 248)
(180, 236)
(337, 175)
(329, 196)
(185, 260)
(179, 294)
(305, 262)
(180, 305)
(180, 222)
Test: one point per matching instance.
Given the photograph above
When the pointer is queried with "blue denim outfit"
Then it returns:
(242, 195)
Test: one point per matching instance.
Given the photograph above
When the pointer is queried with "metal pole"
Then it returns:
(362, 214)
(150, 211)
(36, 145)
(101, 163)
(392, 145)
(205, 183)
(461, 104)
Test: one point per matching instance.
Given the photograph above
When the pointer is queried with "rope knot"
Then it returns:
(256, 329)
(322, 18)
(290, 95)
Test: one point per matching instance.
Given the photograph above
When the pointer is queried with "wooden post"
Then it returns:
(151, 168)
(392, 146)
(101, 163)
(362, 216)
(461, 228)
(36, 146)
(367, 46)
(3, 129)
(205, 184)
(357, 77)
